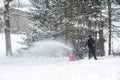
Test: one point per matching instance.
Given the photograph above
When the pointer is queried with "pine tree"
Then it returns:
(56, 18)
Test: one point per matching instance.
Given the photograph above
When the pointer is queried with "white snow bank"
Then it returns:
(15, 38)
(116, 44)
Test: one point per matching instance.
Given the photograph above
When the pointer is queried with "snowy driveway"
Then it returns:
(107, 68)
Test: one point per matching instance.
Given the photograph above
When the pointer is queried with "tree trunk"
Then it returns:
(109, 22)
(7, 28)
(96, 47)
(101, 35)
(102, 53)
(78, 40)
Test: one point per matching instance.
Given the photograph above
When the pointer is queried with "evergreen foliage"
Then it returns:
(55, 18)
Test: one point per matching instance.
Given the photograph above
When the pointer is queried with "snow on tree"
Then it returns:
(57, 18)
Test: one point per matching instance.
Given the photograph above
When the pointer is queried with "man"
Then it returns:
(91, 45)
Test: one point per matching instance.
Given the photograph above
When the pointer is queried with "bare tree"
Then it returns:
(7, 27)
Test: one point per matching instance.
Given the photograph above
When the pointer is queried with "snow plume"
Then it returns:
(49, 48)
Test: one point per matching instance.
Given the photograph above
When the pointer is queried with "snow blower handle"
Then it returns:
(84, 49)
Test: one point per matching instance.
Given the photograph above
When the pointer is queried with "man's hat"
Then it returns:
(89, 36)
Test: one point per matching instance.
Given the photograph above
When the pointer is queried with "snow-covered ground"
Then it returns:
(54, 68)
(107, 68)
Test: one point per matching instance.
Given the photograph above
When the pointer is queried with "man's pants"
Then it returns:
(92, 52)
